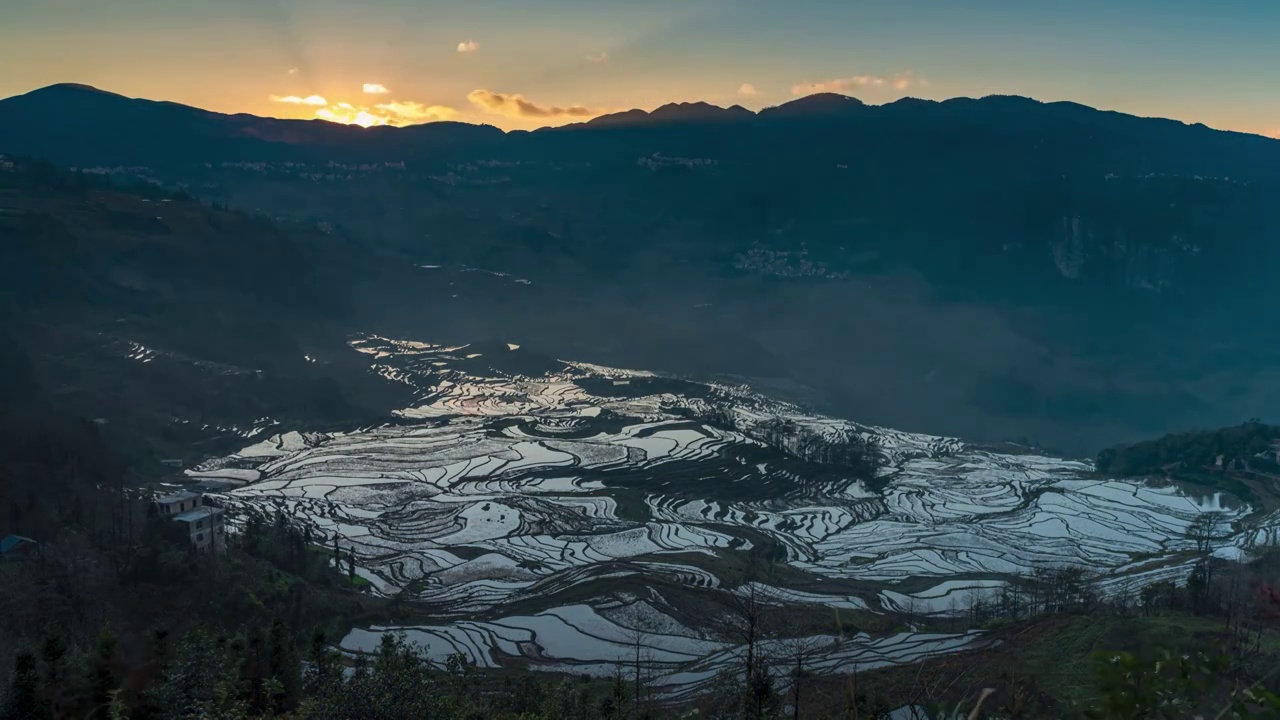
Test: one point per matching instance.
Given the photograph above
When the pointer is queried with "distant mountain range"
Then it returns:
(78, 124)
(985, 267)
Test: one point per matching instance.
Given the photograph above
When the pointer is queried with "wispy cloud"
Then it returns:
(748, 90)
(900, 81)
(598, 58)
(292, 71)
(393, 112)
(517, 106)
(413, 112)
(316, 100)
(468, 46)
(375, 89)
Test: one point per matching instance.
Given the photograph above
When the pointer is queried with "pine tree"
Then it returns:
(53, 653)
(286, 669)
(324, 669)
(200, 682)
(24, 694)
(253, 669)
(103, 674)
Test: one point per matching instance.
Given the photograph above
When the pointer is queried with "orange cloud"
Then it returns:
(412, 112)
(748, 90)
(395, 112)
(375, 89)
(468, 46)
(517, 106)
(900, 81)
(295, 100)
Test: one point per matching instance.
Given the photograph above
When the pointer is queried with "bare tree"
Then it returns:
(639, 627)
(1205, 528)
(797, 647)
(748, 621)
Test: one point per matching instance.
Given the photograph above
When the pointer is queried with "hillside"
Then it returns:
(995, 268)
(168, 321)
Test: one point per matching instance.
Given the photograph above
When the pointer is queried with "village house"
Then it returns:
(179, 502)
(205, 525)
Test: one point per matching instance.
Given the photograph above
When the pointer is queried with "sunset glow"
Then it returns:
(396, 63)
(392, 112)
(349, 116)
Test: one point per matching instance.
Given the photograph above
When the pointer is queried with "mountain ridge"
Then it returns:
(85, 127)
(822, 103)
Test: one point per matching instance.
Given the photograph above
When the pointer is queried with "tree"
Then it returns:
(1206, 528)
(748, 622)
(796, 649)
(200, 681)
(104, 676)
(324, 667)
(285, 668)
(24, 693)
(638, 628)
(53, 653)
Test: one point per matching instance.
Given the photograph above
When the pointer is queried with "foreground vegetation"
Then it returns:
(262, 673)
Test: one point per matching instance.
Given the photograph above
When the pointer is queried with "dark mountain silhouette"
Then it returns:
(80, 125)
(817, 105)
(671, 113)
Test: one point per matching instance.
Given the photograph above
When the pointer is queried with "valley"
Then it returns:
(567, 516)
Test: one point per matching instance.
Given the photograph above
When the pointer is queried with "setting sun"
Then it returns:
(389, 112)
(347, 115)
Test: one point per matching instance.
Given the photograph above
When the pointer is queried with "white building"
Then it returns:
(205, 525)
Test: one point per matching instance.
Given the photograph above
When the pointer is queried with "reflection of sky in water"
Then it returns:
(513, 490)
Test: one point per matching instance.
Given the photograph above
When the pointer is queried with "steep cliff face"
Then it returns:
(1172, 236)
(1112, 255)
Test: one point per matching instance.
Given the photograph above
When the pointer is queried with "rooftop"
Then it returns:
(10, 542)
(197, 514)
(177, 497)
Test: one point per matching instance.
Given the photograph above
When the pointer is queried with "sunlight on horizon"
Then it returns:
(345, 114)
(390, 112)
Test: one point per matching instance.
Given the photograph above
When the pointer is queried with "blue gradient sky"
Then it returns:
(1213, 62)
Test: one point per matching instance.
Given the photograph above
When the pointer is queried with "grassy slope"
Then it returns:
(1051, 662)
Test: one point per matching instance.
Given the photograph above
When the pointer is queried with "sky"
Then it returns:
(530, 63)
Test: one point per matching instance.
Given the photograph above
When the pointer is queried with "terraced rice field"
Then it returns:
(494, 503)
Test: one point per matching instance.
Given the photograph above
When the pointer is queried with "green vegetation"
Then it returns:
(261, 673)
(1247, 445)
